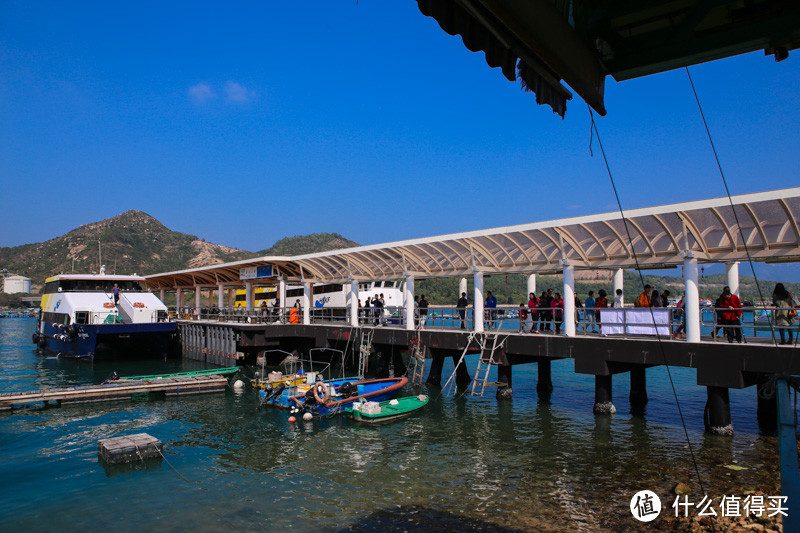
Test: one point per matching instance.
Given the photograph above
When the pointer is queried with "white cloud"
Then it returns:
(201, 93)
(237, 93)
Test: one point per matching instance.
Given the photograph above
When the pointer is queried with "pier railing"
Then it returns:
(753, 322)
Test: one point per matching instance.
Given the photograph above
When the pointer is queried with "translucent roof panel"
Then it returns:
(651, 237)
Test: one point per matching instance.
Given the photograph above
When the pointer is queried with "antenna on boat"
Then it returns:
(100, 257)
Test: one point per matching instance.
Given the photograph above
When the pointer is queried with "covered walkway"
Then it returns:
(686, 234)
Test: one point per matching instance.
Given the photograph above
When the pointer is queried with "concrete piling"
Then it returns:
(718, 412)
(602, 396)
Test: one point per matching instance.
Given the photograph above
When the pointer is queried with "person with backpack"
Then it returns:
(785, 312)
(462, 305)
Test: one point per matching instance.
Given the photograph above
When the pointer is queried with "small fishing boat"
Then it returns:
(299, 375)
(762, 315)
(327, 399)
(210, 372)
(378, 412)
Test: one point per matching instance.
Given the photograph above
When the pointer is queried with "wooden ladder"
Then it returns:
(364, 351)
(484, 366)
(417, 368)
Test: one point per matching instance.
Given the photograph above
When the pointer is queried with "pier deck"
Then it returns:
(118, 390)
(718, 364)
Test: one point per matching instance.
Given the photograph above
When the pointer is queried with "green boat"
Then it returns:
(211, 372)
(377, 412)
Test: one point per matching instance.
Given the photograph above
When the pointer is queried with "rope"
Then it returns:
(730, 200)
(470, 338)
(767, 390)
(641, 279)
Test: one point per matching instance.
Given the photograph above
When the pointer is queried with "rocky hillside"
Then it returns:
(131, 242)
(135, 242)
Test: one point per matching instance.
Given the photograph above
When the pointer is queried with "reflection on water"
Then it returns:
(462, 464)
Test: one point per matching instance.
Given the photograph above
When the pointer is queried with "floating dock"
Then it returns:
(130, 448)
(118, 390)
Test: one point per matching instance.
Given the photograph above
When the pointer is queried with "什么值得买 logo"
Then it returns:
(645, 506)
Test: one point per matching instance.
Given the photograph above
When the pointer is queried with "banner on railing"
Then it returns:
(635, 321)
(264, 271)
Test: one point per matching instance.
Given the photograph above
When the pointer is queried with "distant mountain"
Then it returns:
(133, 242)
(309, 244)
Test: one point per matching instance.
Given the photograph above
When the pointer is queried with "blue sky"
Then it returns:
(249, 122)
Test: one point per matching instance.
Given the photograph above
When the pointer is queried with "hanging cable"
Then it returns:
(641, 279)
(730, 200)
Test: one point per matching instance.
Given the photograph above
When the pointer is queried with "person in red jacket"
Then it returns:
(600, 303)
(731, 313)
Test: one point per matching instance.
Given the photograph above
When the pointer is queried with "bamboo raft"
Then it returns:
(118, 390)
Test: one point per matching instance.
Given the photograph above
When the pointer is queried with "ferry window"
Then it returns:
(50, 287)
(81, 317)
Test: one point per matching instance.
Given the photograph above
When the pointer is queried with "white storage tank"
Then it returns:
(17, 284)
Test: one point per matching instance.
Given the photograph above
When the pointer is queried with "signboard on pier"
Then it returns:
(264, 271)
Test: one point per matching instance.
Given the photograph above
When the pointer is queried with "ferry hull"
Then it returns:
(108, 341)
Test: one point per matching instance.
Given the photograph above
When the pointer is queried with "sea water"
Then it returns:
(464, 463)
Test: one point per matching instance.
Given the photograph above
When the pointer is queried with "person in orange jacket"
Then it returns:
(644, 299)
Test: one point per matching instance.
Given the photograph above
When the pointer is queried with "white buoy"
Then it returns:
(238, 384)
(307, 416)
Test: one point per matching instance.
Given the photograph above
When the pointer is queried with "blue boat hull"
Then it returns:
(373, 390)
(107, 341)
(370, 390)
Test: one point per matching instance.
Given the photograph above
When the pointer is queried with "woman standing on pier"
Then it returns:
(785, 312)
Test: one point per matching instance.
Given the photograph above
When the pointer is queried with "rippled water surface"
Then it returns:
(461, 464)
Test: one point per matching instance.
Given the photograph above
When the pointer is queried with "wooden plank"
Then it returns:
(114, 391)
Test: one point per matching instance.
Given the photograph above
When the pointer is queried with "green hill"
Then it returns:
(309, 244)
(133, 242)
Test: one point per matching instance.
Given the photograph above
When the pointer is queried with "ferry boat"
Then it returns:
(327, 295)
(79, 318)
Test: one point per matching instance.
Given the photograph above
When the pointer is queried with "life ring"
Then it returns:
(321, 392)
(138, 305)
(108, 305)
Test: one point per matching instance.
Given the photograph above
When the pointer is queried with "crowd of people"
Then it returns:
(545, 313)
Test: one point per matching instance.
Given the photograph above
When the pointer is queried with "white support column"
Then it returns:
(178, 302)
(354, 303)
(618, 284)
(221, 296)
(477, 308)
(306, 302)
(531, 285)
(197, 301)
(282, 292)
(163, 294)
(691, 298)
(248, 291)
(732, 271)
(569, 299)
(408, 301)
(462, 286)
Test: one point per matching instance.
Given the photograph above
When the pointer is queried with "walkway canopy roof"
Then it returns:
(659, 238)
(547, 41)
